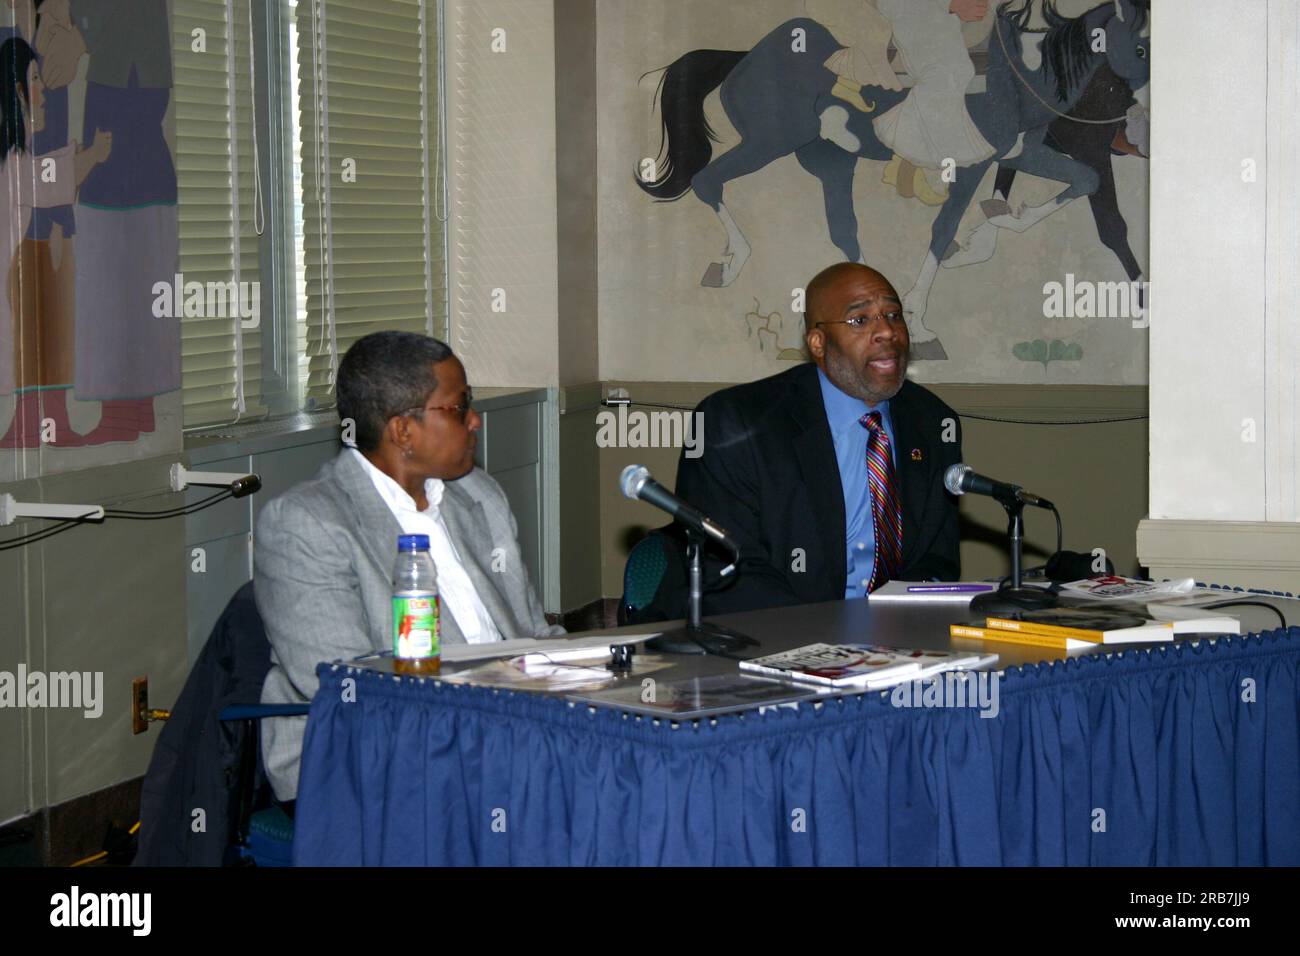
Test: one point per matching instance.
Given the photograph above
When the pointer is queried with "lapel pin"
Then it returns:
(916, 454)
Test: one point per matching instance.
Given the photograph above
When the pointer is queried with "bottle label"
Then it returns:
(417, 627)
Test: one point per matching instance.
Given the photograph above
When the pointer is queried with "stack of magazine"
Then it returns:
(860, 666)
(783, 680)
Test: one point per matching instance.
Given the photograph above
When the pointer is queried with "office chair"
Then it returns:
(645, 568)
(207, 756)
(261, 833)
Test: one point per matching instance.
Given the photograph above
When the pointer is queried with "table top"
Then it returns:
(895, 624)
(910, 625)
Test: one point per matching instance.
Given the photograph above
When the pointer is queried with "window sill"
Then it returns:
(250, 438)
(220, 442)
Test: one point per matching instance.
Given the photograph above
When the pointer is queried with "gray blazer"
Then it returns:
(323, 565)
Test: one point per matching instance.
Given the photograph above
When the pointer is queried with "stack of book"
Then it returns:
(1081, 622)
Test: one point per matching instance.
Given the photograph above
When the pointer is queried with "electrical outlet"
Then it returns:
(139, 705)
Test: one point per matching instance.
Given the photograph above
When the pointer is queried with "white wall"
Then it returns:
(1223, 261)
(1225, 249)
(502, 228)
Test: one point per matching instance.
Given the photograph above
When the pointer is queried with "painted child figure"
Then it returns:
(36, 344)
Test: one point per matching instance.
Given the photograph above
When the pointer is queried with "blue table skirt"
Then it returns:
(1159, 757)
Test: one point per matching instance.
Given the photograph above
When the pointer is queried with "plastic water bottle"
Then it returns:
(417, 627)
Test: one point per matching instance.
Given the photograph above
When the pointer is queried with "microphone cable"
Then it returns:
(126, 515)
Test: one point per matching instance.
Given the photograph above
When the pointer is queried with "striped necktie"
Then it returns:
(886, 514)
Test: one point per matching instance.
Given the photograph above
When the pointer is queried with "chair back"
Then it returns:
(642, 574)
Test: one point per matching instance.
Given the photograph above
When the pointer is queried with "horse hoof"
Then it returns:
(995, 207)
(712, 276)
(931, 351)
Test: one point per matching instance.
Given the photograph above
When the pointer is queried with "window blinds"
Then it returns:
(220, 360)
(369, 127)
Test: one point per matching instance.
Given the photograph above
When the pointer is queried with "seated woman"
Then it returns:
(324, 550)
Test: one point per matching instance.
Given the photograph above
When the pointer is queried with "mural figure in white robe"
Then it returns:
(930, 128)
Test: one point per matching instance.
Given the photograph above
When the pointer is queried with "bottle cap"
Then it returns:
(412, 542)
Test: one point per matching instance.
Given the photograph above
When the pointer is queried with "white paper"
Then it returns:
(455, 653)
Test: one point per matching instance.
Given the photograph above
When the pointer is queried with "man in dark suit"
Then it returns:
(830, 475)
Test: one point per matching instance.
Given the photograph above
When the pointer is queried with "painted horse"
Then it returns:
(1090, 134)
(778, 98)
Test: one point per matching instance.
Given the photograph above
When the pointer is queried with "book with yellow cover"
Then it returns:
(980, 633)
(1116, 624)
(1095, 623)
(1098, 626)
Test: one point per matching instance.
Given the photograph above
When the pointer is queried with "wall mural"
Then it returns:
(90, 225)
(960, 121)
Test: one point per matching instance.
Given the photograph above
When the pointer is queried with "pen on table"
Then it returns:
(948, 588)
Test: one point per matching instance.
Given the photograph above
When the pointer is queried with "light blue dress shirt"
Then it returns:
(850, 438)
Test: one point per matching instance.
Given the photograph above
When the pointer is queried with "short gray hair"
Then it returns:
(385, 374)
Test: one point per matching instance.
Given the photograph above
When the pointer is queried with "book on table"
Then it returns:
(860, 666)
(978, 632)
(1116, 588)
(1079, 625)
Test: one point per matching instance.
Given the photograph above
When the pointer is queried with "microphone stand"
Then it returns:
(1017, 597)
(698, 636)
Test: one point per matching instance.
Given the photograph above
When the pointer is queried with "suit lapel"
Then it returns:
(815, 452)
(468, 526)
(377, 527)
(913, 472)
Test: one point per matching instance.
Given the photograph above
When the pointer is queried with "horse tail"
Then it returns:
(686, 130)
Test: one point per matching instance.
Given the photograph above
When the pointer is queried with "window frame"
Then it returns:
(284, 371)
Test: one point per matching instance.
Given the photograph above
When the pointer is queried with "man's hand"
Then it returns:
(65, 50)
(969, 11)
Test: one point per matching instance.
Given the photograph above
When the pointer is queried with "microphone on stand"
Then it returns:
(637, 483)
(961, 479)
(697, 636)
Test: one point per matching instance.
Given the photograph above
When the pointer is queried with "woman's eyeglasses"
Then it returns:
(462, 409)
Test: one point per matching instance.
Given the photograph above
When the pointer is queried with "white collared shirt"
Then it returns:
(454, 586)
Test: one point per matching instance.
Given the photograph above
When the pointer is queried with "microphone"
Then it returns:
(637, 483)
(961, 478)
(247, 485)
(697, 636)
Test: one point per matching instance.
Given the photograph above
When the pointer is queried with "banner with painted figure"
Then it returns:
(88, 374)
(988, 156)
